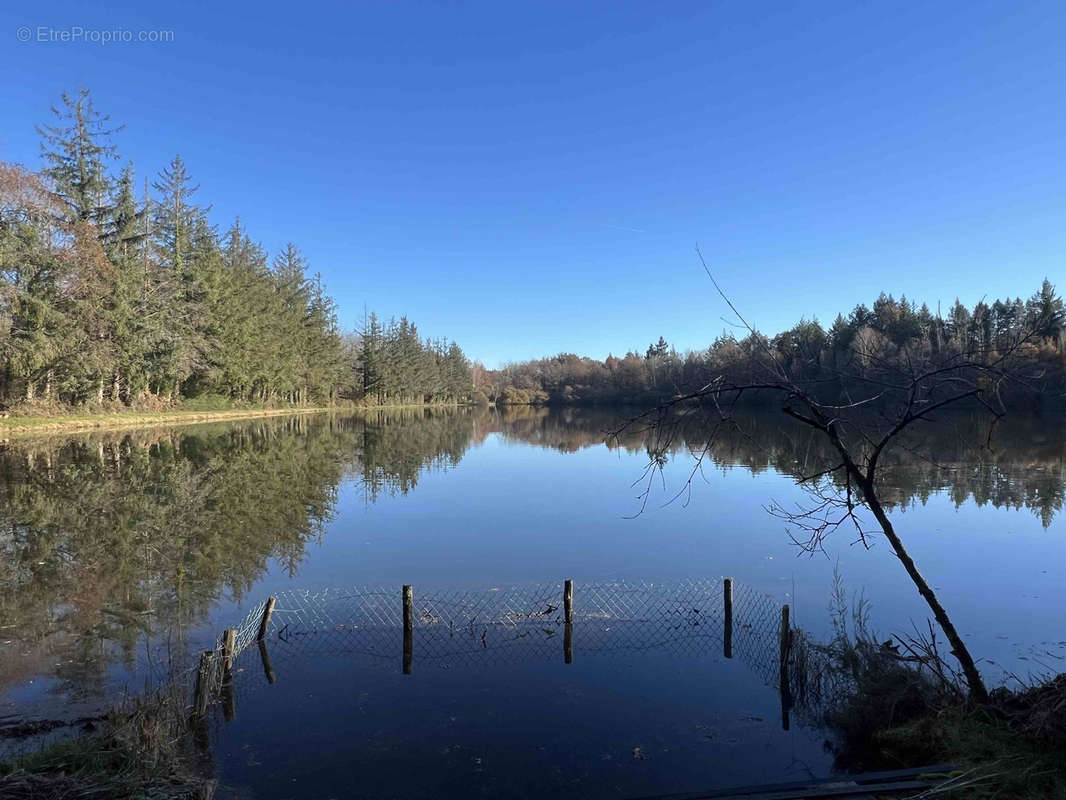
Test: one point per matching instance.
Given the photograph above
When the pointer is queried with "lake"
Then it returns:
(125, 552)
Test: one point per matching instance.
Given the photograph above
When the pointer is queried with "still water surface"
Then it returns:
(123, 552)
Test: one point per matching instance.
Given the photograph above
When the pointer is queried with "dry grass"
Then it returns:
(69, 423)
(142, 750)
(998, 760)
(899, 703)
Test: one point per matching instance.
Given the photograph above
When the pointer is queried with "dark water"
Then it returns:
(123, 553)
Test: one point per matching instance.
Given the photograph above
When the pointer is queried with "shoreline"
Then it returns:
(84, 423)
(18, 427)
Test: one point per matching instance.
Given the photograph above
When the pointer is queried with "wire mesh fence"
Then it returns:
(212, 675)
(501, 626)
(524, 622)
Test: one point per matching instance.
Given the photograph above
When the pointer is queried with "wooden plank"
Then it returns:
(815, 791)
(839, 792)
(909, 772)
(860, 784)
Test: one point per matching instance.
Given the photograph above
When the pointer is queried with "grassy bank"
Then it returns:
(103, 419)
(143, 749)
(1014, 747)
(994, 755)
(889, 704)
(44, 419)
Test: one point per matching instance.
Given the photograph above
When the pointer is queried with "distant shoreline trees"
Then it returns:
(866, 341)
(394, 366)
(112, 300)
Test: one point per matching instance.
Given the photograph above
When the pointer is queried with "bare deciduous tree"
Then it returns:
(862, 412)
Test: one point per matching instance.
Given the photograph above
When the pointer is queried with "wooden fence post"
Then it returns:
(229, 701)
(568, 643)
(229, 643)
(264, 656)
(786, 634)
(786, 647)
(408, 628)
(727, 603)
(568, 601)
(203, 684)
(264, 624)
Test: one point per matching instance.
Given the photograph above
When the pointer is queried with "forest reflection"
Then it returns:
(1020, 465)
(108, 539)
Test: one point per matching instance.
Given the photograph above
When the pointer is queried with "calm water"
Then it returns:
(123, 552)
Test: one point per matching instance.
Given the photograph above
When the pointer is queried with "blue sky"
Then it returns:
(530, 178)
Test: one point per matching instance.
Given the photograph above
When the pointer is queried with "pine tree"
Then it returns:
(243, 315)
(323, 345)
(294, 332)
(177, 280)
(75, 151)
(176, 214)
(33, 308)
(123, 238)
(124, 228)
(1046, 312)
(370, 353)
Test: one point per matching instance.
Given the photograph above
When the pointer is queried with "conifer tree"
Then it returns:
(123, 238)
(75, 151)
(175, 214)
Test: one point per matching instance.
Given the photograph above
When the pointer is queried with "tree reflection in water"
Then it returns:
(108, 540)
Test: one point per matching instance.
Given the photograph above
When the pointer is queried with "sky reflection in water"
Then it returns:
(163, 525)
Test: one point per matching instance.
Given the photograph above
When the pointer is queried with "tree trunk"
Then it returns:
(973, 677)
(866, 485)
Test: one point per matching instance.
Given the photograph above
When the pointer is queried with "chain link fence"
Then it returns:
(502, 626)
(528, 623)
(213, 675)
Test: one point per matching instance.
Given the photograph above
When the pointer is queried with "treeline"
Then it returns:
(392, 365)
(890, 334)
(118, 292)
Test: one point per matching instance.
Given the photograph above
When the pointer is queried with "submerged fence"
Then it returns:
(524, 622)
(563, 620)
(214, 672)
